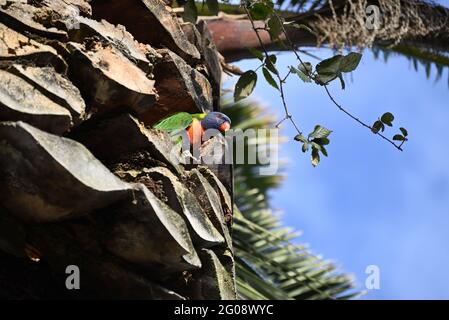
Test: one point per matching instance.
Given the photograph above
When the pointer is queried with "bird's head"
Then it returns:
(216, 120)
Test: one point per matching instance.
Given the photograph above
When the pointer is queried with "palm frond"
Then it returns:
(269, 265)
(428, 58)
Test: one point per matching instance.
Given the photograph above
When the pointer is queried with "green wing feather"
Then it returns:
(178, 121)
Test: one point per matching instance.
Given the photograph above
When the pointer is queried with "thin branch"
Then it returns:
(311, 76)
(288, 73)
(292, 46)
(308, 73)
(280, 122)
(307, 53)
(281, 81)
(360, 121)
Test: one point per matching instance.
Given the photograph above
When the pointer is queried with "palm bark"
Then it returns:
(84, 180)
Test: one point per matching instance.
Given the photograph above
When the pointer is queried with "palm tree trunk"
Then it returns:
(85, 182)
(341, 23)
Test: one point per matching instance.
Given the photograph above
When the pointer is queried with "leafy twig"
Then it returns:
(281, 81)
(311, 77)
(360, 121)
(325, 71)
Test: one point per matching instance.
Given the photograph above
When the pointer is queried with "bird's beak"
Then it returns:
(225, 126)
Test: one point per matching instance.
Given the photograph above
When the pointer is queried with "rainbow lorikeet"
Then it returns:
(195, 124)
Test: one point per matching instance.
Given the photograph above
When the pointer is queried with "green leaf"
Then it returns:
(178, 121)
(323, 79)
(269, 78)
(323, 151)
(350, 62)
(272, 58)
(300, 74)
(299, 26)
(387, 118)
(300, 137)
(377, 126)
(315, 157)
(342, 82)
(274, 26)
(404, 131)
(315, 145)
(256, 53)
(329, 69)
(331, 65)
(213, 6)
(261, 11)
(321, 141)
(318, 147)
(305, 147)
(245, 85)
(320, 132)
(305, 67)
(190, 12)
(399, 137)
(270, 63)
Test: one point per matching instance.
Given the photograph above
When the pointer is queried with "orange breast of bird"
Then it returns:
(195, 132)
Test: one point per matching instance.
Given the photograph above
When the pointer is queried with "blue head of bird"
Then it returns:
(216, 120)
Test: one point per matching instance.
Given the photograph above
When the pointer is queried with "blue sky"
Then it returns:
(368, 203)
